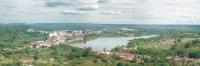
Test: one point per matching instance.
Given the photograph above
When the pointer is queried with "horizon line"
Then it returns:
(103, 23)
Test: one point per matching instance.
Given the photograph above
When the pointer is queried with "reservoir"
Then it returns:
(109, 43)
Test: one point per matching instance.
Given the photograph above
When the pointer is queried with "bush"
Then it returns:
(120, 64)
(187, 45)
(195, 54)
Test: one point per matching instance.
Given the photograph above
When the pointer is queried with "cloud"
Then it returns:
(89, 7)
(56, 3)
(88, 1)
(76, 4)
(103, 1)
(111, 12)
(73, 12)
(7, 7)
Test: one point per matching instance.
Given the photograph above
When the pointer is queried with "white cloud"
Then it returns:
(110, 12)
(73, 12)
(88, 1)
(104, 11)
(89, 7)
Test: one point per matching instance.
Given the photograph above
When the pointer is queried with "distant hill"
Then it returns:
(81, 26)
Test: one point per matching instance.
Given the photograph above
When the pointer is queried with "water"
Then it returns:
(108, 43)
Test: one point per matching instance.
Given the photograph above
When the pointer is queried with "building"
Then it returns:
(53, 34)
(125, 56)
(30, 30)
(38, 44)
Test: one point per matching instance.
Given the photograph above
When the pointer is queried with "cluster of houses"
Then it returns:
(166, 42)
(123, 53)
(54, 38)
(127, 56)
(60, 37)
(180, 60)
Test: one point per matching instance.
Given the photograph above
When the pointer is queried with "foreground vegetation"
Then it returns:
(16, 36)
(177, 44)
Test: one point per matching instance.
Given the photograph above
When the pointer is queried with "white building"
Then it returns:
(53, 34)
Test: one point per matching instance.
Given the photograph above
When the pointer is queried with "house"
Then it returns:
(38, 44)
(61, 39)
(125, 56)
(136, 48)
(53, 41)
(30, 30)
(55, 38)
(44, 32)
(164, 42)
(106, 53)
(53, 34)
(181, 59)
(69, 34)
(78, 35)
(62, 33)
(28, 46)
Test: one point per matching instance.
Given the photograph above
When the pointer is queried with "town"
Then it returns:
(72, 36)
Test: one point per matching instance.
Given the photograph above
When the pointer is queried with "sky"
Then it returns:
(101, 11)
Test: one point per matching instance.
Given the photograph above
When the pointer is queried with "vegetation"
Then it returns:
(177, 42)
(171, 43)
(16, 36)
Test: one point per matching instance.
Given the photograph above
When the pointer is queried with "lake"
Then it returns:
(108, 43)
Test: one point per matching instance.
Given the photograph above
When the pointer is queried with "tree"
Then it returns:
(194, 54)
(87, 52)
(187, 45)
(120, 64)
(179, 40)
(195, 41)
(164, 64)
